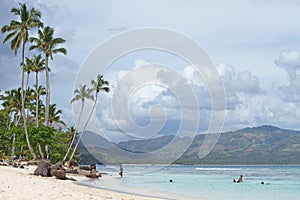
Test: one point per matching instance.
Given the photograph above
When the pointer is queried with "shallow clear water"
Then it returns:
(214, 182)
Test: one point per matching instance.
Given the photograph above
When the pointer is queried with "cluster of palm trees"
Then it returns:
(82, 94)
(19, 35)
(24, 104)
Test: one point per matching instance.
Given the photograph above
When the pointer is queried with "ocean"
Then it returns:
(207, 182)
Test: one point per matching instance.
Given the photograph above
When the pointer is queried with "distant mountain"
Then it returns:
(258, 145)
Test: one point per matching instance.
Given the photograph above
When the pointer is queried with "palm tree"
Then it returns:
(12, 104)
(98, 85)
(37, 66)
(47, 44)
(81, 94)
(27, 69)
(54, 115)
(29, 101)
(19, 34)
(73, 133)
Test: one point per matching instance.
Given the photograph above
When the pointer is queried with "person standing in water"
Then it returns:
(121, 171)
(240, 180)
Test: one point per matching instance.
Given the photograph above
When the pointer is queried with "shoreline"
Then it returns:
(19, 183)
(111, 183)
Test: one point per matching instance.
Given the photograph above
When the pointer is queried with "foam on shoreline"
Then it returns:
(113, 183)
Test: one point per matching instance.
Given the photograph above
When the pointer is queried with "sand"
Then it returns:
(16, 183)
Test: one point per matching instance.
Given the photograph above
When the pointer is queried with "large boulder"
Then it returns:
(59, 174)
(43, 169)
(58, 171)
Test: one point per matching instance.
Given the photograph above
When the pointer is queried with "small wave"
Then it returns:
(216, 169)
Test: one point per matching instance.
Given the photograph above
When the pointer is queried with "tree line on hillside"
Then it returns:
(29, 122)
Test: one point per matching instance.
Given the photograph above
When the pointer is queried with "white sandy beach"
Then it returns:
(16, 183)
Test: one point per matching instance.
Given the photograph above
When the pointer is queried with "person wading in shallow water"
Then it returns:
(121, 171)
(240, 180)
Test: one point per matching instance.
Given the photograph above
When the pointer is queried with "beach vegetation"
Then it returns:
(47, 43)
(18, 33)
(97, 85)
(29, 122)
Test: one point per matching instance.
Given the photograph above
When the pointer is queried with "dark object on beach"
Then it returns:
(171, 180)
(4, 163)
(59, 174)
(262, 183)
(92, 167)
(58, 171)
(87, 168)
(72, 170)
(72, 163)
(93, 175)
(43, 169)
(234, 180)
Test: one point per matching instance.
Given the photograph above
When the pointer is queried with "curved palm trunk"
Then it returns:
(47, 93)
(74, 136)
(81, 134)
(37, 101)
(23, 107)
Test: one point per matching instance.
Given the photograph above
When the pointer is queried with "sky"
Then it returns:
(254, 45)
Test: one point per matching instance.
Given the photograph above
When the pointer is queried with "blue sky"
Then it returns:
(254, 44)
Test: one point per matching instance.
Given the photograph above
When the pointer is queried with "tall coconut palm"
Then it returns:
(38, 65)
(98, 85)
(47, 44)
(19, 34)
(81, 94)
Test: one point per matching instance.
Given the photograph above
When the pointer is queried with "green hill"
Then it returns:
(259, 145)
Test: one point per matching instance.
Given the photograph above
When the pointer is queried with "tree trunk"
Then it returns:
(23, 106)
(47, 151)
(27, 80)
(47, 93)
(37, 101)
(13, 147)
(19, 115)
(92, 111)
(74, 136)
(41, 152)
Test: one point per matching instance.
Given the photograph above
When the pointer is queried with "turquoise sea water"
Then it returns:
(212, 182)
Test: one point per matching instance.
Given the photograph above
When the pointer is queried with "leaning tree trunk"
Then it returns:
(47, 92)
(74, 136)
(74, 150)
(23, 107)
(41, 151)
(47, 152)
